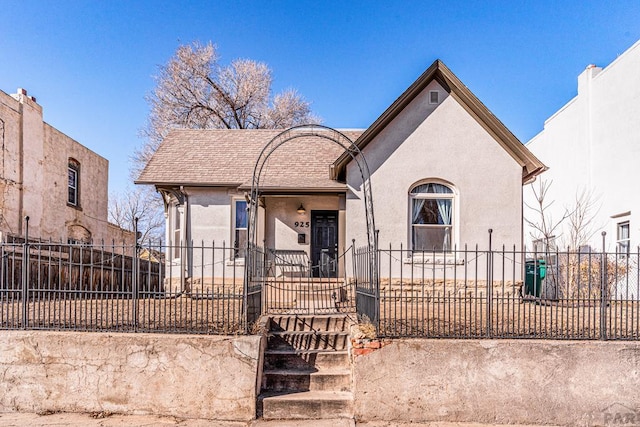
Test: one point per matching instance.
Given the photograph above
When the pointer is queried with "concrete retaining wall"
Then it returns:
(185, 376)
(506, 381)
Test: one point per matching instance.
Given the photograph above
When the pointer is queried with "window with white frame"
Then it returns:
(432, 217)
(623, 239)
(73, 170)
(240, 229)
(177, 232)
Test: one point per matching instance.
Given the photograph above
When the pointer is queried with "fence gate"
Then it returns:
(289, 287)
(279, 280)
(367, 284)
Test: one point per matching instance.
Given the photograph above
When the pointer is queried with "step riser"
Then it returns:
(309, 323)
(317, 382)
(308, 342)
(302, 307)
(304, 386)
(328, 360)
(301, 410)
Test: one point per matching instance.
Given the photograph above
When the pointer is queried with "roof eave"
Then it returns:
(187, 183)
(297, 190)
(529, 176)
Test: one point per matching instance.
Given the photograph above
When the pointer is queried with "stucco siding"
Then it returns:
(593, 144)
(210, 216)
(208, 221)
(282, 216)
(448, 145)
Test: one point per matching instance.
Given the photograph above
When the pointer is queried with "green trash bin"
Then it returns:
(535, 272)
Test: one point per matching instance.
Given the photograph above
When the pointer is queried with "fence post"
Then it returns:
(25, 276)
(353, 263)
(376, 278)
(603, 289)
(489, 285)
(134, 275)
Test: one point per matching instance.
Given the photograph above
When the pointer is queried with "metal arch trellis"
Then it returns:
(350, 148)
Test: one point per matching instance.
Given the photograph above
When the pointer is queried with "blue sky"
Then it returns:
(89, 63)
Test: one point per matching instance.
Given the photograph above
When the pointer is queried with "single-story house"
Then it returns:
(443, 170)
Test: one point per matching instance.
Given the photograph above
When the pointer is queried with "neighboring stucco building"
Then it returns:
(55, 181)
(443, 171)
(593, 144)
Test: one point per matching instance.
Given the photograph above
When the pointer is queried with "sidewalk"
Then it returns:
(14, 419)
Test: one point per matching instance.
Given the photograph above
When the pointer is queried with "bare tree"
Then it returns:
(141, 203)
(579, 217)
(544, 225)
(581, 220)
(194, 91)
(570, 274)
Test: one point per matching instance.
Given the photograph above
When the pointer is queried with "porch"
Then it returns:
(303, 234)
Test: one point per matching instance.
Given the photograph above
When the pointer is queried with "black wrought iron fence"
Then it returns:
(472, 293)
(200, 288)
(46, 285)
(366, 287)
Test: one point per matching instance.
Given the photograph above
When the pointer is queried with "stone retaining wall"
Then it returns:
(502, 382)
(211, 377)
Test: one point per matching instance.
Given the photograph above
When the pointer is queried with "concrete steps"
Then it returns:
(307, 372)
(303, 359)
(308, 340)
(308, 405)
(336, 323)
(304, 380)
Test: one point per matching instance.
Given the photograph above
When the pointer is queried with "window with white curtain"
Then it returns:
(240, 228)
(623, 239)
(432, 217)
(177, 233)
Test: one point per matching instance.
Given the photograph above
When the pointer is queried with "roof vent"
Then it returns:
(434, 97)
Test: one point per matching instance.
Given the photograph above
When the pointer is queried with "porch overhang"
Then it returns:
(298, 191)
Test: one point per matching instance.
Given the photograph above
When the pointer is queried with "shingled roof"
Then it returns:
(221, 157)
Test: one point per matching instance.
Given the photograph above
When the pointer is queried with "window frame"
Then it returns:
(176, 230)
(238, 252)
(73, 166)
(623, 244)
(453, 196)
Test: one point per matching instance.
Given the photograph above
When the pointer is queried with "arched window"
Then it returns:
(432, 217)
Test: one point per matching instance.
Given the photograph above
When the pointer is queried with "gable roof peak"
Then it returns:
(438, 71)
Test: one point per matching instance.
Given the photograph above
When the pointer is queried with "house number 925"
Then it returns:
(302, 224)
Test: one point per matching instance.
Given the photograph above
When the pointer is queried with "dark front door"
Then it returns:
(324, 243)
